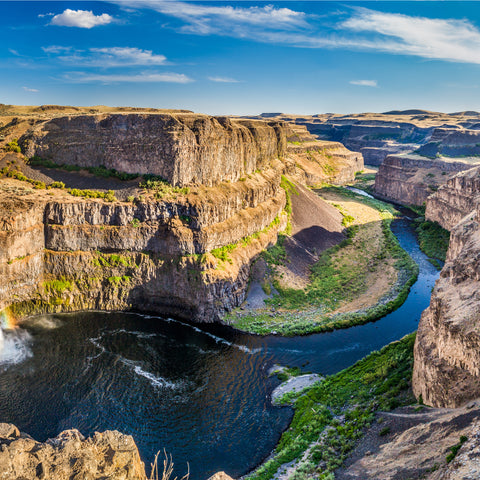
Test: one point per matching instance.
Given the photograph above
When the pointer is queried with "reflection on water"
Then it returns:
(203, 394)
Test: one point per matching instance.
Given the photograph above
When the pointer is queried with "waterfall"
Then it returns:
(1, 340)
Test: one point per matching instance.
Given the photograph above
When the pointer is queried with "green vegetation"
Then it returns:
(331, 416)
(117, 281)
(12, 146)
(364, 181)
(433, 241)
(109, 196)
(100, 171)
(113, 260)
(223, 253)
(454, 450)
(57, 287)
(290, 189)
(334, 280)
(6, 172)
(276, 254)
(287, 373)
(161, 187)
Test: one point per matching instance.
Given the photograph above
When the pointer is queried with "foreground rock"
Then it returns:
(415, 445)
(69, 456)
(409, 179)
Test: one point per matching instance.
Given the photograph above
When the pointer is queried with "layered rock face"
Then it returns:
(69, 456)
(182, 148)
(447, 360)
(447, 357)
(377, 135)
(454, 200)
(66, 253)
(319, 161)
(410, 179)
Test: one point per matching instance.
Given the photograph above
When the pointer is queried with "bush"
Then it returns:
(12, 146)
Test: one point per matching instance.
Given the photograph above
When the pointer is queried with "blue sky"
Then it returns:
(242, 57)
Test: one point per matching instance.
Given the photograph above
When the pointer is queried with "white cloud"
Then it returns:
(80, 18)
(223, 80)
(56, 49)
(444, 39)
(27, 89)
(364, 83)
(108, 56)
(134, 78)
(204, 19)
(14, 52)
(43, 15)
(367, 30)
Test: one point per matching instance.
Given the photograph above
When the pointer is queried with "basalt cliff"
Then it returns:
(181, 245)
(447, 361)
(409, 179)
(378, 135)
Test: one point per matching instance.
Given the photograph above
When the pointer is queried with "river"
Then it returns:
(203, 394)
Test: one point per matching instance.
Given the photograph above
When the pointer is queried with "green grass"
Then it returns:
(346, 403)
(108, 196)
(433, 241)
(455, 448)
(161, 187)
(117, 281)
(112, 260)
(223, 253)
(57, 287)
(307, 311)
(290, 190)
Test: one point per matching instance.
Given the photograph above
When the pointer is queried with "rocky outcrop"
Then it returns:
(319, 161)
(69, 456)
(182, 148)
(377, 135)
(452, 142)
(454, 200)
(64, 253)
(415, 445)
(447, 357)
(410, 179)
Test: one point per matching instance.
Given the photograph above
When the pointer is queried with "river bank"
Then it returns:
(365, 276)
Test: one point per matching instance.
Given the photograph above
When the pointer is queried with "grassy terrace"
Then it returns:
(433, 241)
(363, 278)
(332, 415)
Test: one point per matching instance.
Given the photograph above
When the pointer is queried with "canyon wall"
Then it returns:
(454, 200)
(67, 253)
(410, 179)
(447, 354)
(186, 254)
(182, 148)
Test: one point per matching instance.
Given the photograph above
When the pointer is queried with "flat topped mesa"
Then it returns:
(184, 149)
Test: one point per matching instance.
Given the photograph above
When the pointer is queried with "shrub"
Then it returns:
(12, 146)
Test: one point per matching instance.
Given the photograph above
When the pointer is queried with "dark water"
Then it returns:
(203, 395)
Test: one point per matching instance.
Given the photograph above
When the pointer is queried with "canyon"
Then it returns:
(184, 244)
(159, 252)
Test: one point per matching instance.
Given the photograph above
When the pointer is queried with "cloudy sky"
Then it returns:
(242, 57)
